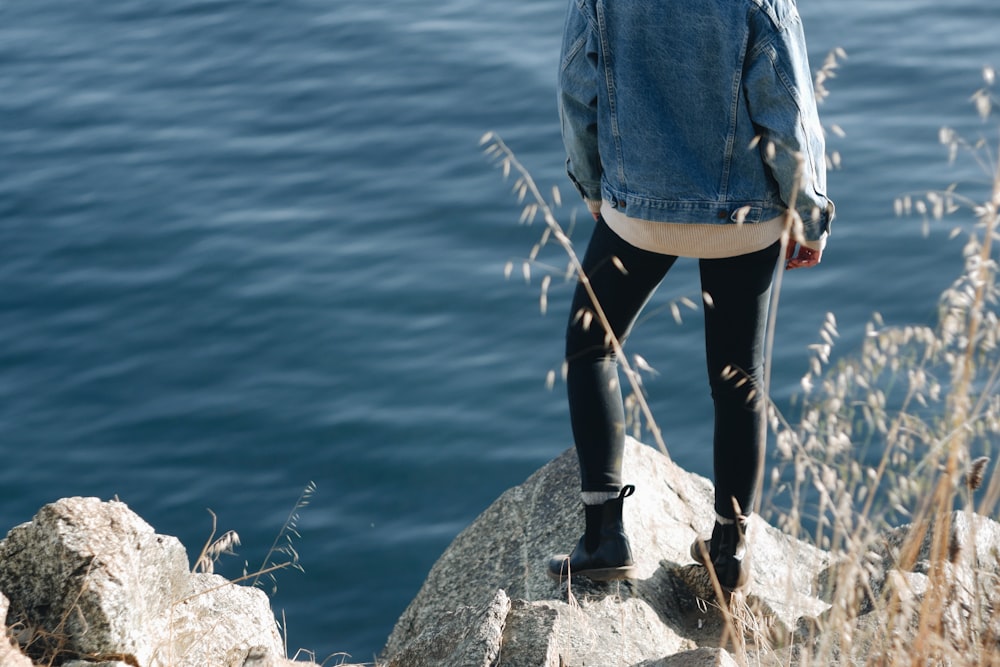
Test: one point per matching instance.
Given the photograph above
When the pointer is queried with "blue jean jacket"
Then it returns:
(676, 111)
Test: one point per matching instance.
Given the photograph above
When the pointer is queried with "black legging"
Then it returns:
(735, 324)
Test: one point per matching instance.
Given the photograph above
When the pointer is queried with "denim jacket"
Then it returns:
(699, 112)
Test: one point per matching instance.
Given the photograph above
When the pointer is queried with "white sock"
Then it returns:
(598, 497)
(728, 522)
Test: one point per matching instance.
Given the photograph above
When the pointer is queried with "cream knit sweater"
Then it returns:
(704, 241)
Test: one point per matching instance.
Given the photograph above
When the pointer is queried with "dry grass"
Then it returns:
(901, 433)
(283, 547)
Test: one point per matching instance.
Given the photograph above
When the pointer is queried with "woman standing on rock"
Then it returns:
(691, 130)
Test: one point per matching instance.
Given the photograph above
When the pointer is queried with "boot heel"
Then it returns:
(728, 554)
(603, 553)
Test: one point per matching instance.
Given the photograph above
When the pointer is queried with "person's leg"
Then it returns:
(738, 292)
(597, 415)
(739, 289)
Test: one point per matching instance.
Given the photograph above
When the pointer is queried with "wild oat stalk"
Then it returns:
(526, 189)
(213, 550)
(890, 434)
(283, 544)
(972, 314)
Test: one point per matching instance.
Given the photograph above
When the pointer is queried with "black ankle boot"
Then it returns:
(727, 552)
(603, 553)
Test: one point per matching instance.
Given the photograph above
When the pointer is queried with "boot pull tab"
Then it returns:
(626, 491)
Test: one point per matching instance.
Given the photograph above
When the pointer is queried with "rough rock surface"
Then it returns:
(629, 623)
(479, 632)
(91, 580)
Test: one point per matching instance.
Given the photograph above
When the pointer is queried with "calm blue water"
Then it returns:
(245, 245)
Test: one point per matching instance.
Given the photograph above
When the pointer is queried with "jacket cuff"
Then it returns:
(818, 227)
(593, 205)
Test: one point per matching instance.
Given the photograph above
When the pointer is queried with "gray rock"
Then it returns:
(468, 636)
(659, 614)
(603, 630)
(97, 582)
(219, 623)
(95, 574)
(699, 657)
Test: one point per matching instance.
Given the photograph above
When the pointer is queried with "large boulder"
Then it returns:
(91, 580)
(488, 601)
(661, 614)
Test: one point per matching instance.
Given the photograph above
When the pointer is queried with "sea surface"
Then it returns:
(247, 245)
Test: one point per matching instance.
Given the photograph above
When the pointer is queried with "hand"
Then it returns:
(803, 258)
